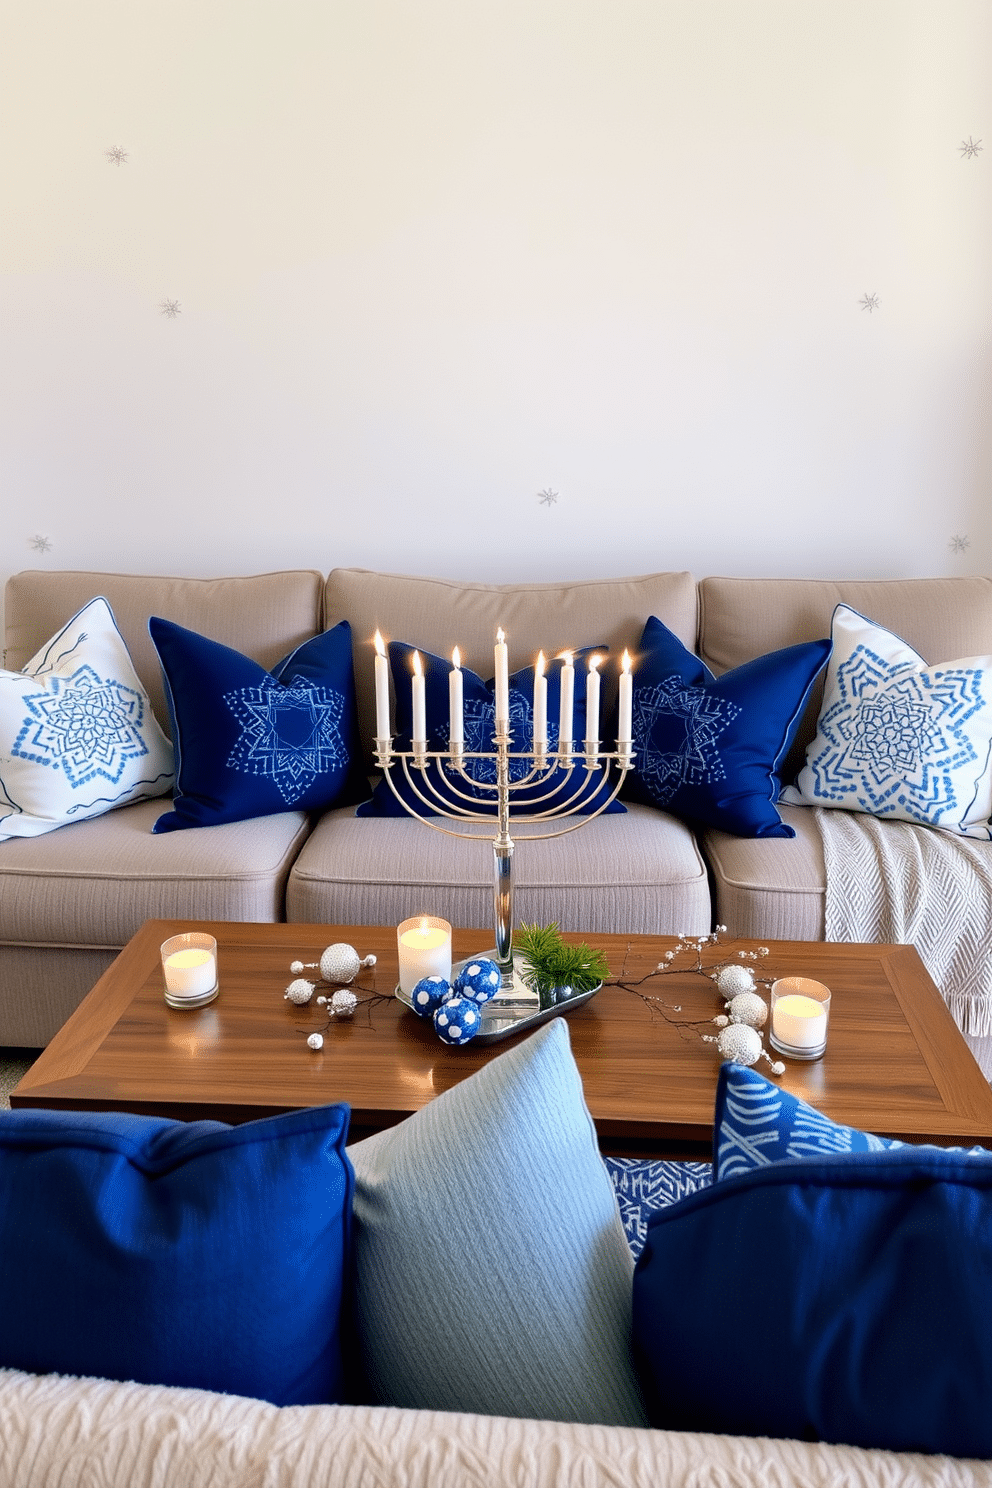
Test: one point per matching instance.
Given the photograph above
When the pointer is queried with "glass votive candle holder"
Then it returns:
(800, 1014)
(189, 969)
(424, 947)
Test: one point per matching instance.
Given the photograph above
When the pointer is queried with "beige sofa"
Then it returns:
(69, 900)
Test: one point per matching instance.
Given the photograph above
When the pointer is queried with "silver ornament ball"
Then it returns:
(739, 1044)
(734, 979)
(315, 1041)
(299, 991)
(343, 1003)
(339, 963)
(748, 1008)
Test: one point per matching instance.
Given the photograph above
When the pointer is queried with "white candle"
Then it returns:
(540, 708)
(190, 972)
(502, 682)
(565, 710)
(424, 946)
(381, 690)
(799, 1021)
(592, 706)
(625, 731)
(419, 706)
(456, 712)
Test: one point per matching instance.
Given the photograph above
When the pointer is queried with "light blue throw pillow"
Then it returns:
(491, 1269)
(898, 738)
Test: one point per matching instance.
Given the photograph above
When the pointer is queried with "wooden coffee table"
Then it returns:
(896, 1063)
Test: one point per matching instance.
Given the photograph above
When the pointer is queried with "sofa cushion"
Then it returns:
(492, 1271)
(177, 1253)
(842, 1299)
(437, 614)
(709, 748)
(264, 615)
(640, 873)
(898, 738)
(77, 733)
(444, 787)
(95, 883)
(250, 742)
(743, 618)
(765, 888)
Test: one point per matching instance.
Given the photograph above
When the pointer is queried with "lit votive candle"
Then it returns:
(189, 969)
(800, 1013)
(424, 947)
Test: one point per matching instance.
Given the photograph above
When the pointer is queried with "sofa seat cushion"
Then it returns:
(95, 882)
(640, 873)
(770, 888)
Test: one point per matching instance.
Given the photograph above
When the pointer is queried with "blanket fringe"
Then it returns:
(972, 1014)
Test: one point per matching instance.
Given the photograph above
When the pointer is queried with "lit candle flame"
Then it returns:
(626, 661)
(417, 666)
(540, 663)
(379, 644)
(594, 662)
(424, 927)
(456, 657)
(567, 658)
(500, 637)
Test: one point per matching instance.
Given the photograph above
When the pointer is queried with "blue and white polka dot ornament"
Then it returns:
(478, 980)
(429, 993)
(457, 1020)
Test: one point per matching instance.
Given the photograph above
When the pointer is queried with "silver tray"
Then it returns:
(515, 1008)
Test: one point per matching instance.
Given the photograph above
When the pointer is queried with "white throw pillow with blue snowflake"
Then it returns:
(77, 732)
(896, 737)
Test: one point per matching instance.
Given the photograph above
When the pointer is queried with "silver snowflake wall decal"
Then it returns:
(547, 497)
(116, 156)
(869, 302)
(959, 544)
(171, 308)
(40, 543)
(969, 148)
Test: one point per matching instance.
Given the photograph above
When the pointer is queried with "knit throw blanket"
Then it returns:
(895, 882)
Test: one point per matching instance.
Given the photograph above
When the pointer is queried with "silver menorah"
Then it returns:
(564, 776)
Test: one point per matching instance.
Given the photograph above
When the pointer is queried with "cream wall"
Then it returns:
(433, 257)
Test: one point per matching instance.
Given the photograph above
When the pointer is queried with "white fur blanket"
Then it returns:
(893, 881)
(57, 1432)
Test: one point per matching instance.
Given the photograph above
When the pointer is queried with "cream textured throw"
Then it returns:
(58, 1432)
(892, 881)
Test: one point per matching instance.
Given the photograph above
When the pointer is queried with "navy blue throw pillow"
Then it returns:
(840, 1299)
(252, 743)
(555, 788)
(709, 749)
(174, 1253)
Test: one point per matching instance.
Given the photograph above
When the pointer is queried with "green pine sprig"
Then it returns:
(557, 964)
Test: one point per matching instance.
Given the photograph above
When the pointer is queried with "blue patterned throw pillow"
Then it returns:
(898, 738)
(250, 742)
(555, 787)
(77, 732)
(709, 749)
(757, 1123)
